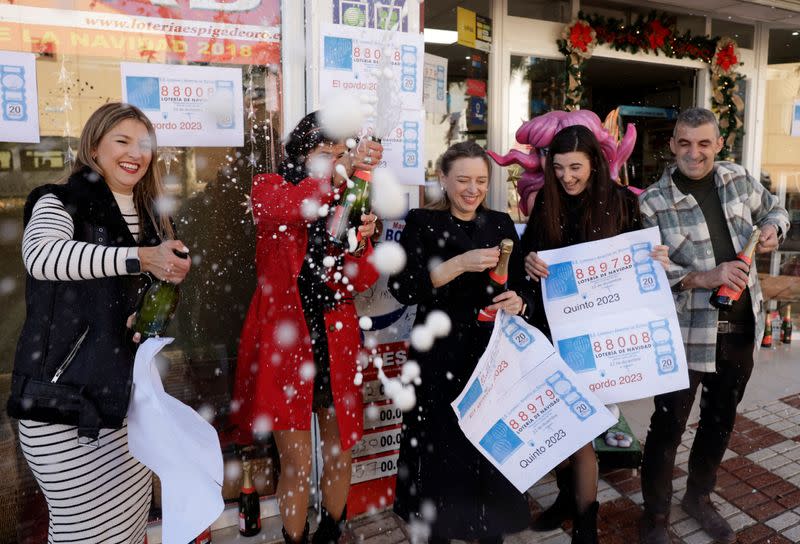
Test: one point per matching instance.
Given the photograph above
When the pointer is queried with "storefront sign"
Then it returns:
(189, 106)
(473, 30)
(236, 32)
(19, 107)
(349, 58)
(613, 319)
(380, 14)
(434, 87)
(523, 408)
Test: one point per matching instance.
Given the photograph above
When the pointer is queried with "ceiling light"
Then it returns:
(436, 35)
(795, 33)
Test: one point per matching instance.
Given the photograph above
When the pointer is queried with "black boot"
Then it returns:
(303, 539)
(329, 529)
(584, 528)
(564, 507)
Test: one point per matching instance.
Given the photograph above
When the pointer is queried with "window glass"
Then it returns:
(78, 68)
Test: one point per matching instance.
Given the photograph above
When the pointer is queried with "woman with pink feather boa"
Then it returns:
(573, 161)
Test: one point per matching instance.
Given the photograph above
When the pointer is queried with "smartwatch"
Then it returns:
(132, 263)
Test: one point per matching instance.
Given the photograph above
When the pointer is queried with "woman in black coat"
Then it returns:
(578, 203)
(443, 480)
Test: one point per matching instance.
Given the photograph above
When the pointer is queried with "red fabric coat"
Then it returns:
(275, 342)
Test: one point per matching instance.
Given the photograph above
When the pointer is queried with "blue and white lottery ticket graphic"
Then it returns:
(524, 408)
(612, 317)
(12, 93)
(19, 114)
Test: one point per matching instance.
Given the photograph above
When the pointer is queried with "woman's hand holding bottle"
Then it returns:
(478, 260)
(508, 301)
(163, 263)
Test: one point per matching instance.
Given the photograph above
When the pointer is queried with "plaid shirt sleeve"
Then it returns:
(765, 209)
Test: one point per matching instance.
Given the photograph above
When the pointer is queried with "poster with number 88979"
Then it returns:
(612, 317)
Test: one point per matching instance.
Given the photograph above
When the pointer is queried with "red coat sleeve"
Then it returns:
(275, 200)
(360, 270)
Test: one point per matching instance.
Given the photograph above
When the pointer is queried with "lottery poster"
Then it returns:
(19, 106)
(524, 409)
(613, 319)
(350, 56)
(190, 106)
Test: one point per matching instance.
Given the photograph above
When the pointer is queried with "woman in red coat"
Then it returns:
(301, 339)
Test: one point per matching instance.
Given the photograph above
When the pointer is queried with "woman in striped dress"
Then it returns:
(85, 242)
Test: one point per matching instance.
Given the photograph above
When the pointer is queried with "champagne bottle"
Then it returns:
(249, 505)
(498, 279)
(352, 204)
(786, 326)
(766, 341)
(723, 296)
(157, 306)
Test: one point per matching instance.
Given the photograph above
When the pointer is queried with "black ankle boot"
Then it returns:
(329, 529)
(584, 528)
(303, 538)
(564, 507)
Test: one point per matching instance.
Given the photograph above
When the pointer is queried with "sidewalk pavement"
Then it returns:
(758, 484)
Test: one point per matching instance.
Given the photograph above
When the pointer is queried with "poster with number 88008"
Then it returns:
(612, 317)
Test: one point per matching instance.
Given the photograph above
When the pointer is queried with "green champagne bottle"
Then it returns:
(157, 306)
(723, 297)
(498, 278)
(352, 204)
(786, 326)
(249, 505)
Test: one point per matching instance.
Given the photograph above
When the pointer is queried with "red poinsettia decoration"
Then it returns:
(657, 34)
(581, 36)
(726, 57)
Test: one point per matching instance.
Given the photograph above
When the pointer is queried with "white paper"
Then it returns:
(434, 90)
(612, 317)
(190, 106)
(19, 105)
(348, 60)
(524, 408)
(181, 447)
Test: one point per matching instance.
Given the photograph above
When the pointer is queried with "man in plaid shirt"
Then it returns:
(706, 211)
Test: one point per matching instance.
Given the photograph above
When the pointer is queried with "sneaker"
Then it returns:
(702, 509)
(654, 529)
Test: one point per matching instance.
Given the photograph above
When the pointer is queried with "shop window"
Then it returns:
(544, 10)
(696, 24)
(784, 45)
(536, 86)
(742, 33)
(466, 116)
(78, 70)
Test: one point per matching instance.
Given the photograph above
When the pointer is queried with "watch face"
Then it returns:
(133, 266)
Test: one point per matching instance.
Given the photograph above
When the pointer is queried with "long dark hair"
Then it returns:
(460, 150)
(603, 211)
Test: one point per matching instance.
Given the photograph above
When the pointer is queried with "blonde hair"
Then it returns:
(150, 188)
(461, 150)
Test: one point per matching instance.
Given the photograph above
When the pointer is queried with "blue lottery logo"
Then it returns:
(143, 92)
(469, 399)
(500, 442)
(577, 353)
(560, 282)
(338, 53)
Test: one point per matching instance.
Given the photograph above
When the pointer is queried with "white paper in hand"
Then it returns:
(181, 447)
(523, 407)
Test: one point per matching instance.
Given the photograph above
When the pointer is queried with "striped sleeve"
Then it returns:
(50, 253)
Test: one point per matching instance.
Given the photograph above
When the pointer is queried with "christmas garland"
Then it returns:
(657, 33)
